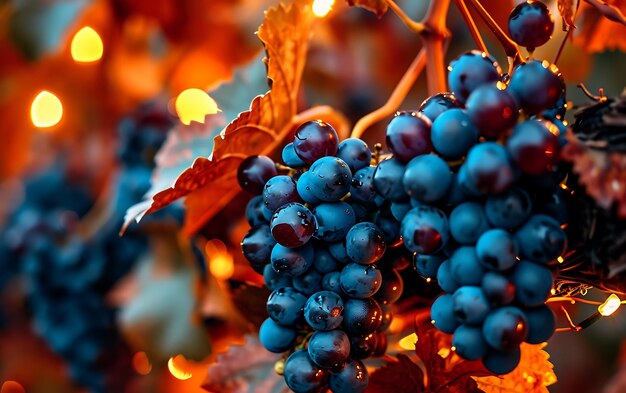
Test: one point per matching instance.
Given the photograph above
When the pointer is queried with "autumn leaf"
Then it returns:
(210, 183)
(245, 368)
(568, 10)
(603, 27)
(379, 7)
(400, 375)
(533, 374)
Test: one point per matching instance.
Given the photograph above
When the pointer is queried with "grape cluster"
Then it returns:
(320, 236)
(68, 273)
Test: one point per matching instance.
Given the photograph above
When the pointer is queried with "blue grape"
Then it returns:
(308, 282)
(497, 249)
(531, 24)
(286, 306)
(334, 220)
(324, 310)
(470, 305)
(427, 178)
(408, 135)
(355, 153)
(488, 168)
(425, 230)
(332, 282)
(257, 246)
(276, 338)
(293, 225)
(274, 280)
(469, 342)
(391, 288)
(505, 328)
(360, 281)
(290, 158)
(353, 378)
(445, 279)
(502, 362)
(533, 283)
(435, 105)
(465, 267)
(324, 262)
(427, 265)
(329, 179)
(468, 222)
(292, 261)
(362, 316)
(329, 349)
(362, 189)
(338, 251)
(362, 347)
(454, 133)
(470, 71)
(365, 243)
(442, 314)
(304, 189)
(508, 210)
(498, 288)
(532, 147)
(456, 194)
(541, 324)
(267, 213)
(536, 85)
(314, 140)
(541, 239)
(278, 191)
(254, 212)
(388, 180)
(254, 172)
(492, 110)
(399, 209)
(389, 226)
(304, 376)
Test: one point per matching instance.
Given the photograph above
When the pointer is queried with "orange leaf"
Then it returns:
(600, 32)
(379, 7)
(210, 183)
(568, 9)
(533, 375)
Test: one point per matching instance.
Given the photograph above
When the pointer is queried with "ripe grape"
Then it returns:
(360, 281)
(427, 178)
(531, 24)
(254, 172)
(329, 179)
(388, 180)
(541, 324)
(314, 140)
(435, 105)
(324, 310)
(536, 86)
(365, 243)
(292, 261)
(355, 153)
(286, 306)
(276, 338)
(497, 249)
(470, 71)
(334, 220)
(453, 133)
(470, 305)
(304, 376)
(505, 328)
(425, 230)
(408, 135)
(353, 378)
(278, 191)
(257, 246)
(498, 288)
(533, 148)
(465, 267)
(468, 222)
(362, 316)
(329, 349)
(500, 362)
(533, 283)
(541, 239)
(293, 225)
(442, 314)
(290, 158)
(469, 342)
(487, 169)
(493, 110)
(508, 210)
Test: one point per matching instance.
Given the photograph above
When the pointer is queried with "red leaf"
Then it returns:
(398, 376)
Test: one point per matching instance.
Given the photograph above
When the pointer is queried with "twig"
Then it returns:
(562, 46)
(433, 38)
(414, 26)
(396, 97)
(510, 47)
(572, 300)
(471, 25)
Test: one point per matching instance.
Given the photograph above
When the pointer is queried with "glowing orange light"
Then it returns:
(321, 8)
(610, 305)
(46, 110)
(194, 105)
(445, 352)
(141, 363)
(560, 259)
(408, 342)
(12, 387)
(86, 46)
(221, 264)
(175, 365)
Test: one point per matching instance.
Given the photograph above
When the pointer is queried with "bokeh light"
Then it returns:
(46, 110)
(193, 105)
(87, 46)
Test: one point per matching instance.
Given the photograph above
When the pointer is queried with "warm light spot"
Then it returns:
(560, 259)
(564, 186)
(408, 342)
(520, 326)
(428, 280)
(12, 387)
(321, 8)
(194, 105)
(221, 264)
(553, 291)
(86, 46)
(445, 352)
(396, 325)
(141, 363)
(610, 305)
(501, 86)
(279, 367)
(46, 110)
(174, 365)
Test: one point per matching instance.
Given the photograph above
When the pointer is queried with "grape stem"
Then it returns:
(510, 47)
(471, 25)
(434, 33)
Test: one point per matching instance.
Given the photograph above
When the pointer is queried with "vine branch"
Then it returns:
(471, 25)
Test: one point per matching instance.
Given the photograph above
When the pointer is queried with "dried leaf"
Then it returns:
(568, 10)
(533, 375)
(379, 7)
(401, 375)
(245, 368)
(210, 183)
(609, 11)
(599, 32)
